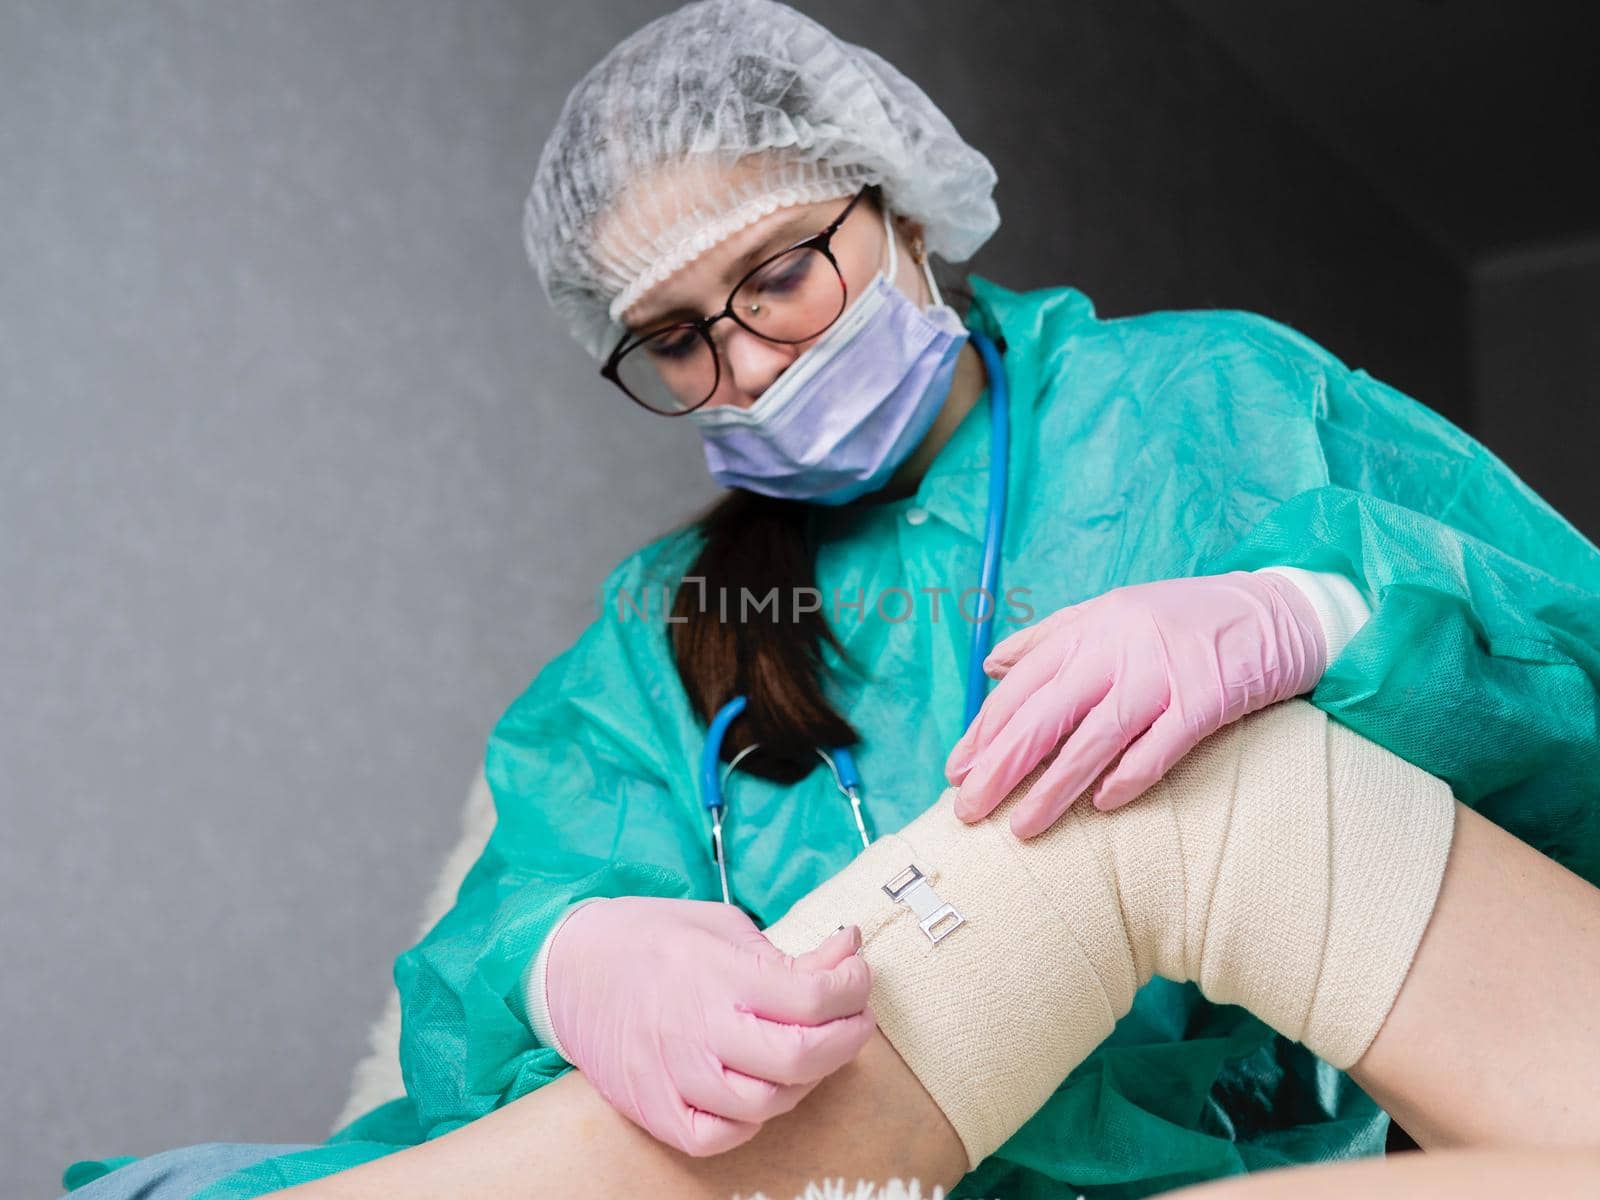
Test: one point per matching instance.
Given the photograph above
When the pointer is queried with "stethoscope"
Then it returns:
(714, 776)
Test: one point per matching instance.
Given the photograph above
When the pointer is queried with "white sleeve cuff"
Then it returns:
(1339, 604)
(535, 1000)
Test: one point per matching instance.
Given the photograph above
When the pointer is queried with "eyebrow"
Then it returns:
(783, 233)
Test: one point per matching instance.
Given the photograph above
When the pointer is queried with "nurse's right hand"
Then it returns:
(692, 1024)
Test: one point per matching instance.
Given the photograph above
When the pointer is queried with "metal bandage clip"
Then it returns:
(911, 888)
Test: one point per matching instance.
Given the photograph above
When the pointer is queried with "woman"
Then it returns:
(1216, 514)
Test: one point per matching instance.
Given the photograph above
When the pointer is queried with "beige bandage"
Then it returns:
(1286, 864)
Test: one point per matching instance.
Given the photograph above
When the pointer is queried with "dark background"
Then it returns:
(300, 482)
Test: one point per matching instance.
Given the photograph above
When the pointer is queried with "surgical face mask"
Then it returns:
(841, 418)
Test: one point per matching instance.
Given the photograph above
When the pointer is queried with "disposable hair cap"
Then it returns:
(707, 119)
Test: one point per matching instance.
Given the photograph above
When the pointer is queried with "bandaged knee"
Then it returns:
(1286, 864)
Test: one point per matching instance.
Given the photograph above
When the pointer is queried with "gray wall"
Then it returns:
(1536, 359)
(300, 483)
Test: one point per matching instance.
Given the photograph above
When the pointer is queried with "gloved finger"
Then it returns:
(1091, 748)
(831, 950)
(711, 1086)
(652, 1102)
(779, 988)
(787, 1054)
(701, 1134)
(1001, 705)
(1008, 650)
(1038, 727)
(750, 945)
(1147, 760)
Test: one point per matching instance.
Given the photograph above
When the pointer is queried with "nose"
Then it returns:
(753, 362)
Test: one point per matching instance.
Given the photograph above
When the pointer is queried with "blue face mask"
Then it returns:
(841, 418)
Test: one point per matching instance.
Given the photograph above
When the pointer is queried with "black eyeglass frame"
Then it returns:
(821, 241)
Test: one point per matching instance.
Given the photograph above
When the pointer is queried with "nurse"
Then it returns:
(1207, 513)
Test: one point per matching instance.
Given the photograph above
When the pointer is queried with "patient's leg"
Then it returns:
(868, 1120)
(1286, 864)
(1446, 1175)
(1217, 875)
(1495, 1039)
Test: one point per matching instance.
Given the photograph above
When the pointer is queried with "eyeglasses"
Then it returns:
(791, 296)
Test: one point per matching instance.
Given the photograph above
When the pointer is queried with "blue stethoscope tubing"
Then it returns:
(994, 527)
(839, 760)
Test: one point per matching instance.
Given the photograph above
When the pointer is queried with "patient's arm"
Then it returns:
(1492, 1040)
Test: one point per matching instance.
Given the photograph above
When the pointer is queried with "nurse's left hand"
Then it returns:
(1136, 678)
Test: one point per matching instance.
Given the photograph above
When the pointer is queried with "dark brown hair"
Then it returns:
(754, 544)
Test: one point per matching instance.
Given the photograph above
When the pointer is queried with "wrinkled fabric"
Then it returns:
(1157, 446)
(171, 1175)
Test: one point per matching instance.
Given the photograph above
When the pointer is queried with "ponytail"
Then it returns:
(758, 546)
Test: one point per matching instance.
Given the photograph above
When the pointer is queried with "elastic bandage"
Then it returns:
(1286, 864)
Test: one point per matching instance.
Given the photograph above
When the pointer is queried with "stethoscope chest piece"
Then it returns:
(714, 782)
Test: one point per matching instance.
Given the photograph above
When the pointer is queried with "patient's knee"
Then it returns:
(1259, 869)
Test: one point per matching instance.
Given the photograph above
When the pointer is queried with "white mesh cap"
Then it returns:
(712, 116)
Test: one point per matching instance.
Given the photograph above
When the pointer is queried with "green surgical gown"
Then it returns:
(1148, 447)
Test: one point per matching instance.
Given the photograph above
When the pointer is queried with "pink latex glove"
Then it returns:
(1144, 672)
(692, 1024)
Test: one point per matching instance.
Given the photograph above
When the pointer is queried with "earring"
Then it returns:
(918, 254)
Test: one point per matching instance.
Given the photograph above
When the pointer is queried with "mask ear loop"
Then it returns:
(937, 300)
(933, 285)
(888, 232)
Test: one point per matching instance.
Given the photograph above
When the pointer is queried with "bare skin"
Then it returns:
(1495, 1038)
(1447, 1175)
(1493, 1042)
(868, 1120)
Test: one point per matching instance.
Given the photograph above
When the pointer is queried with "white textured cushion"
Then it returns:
(377, 1076)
